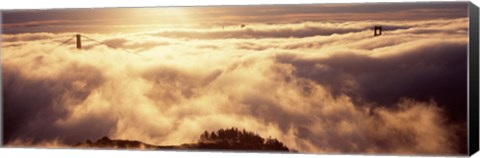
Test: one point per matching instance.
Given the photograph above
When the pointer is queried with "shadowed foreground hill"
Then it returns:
(223, 139)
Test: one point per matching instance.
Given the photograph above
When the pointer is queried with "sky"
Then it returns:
(312, 76)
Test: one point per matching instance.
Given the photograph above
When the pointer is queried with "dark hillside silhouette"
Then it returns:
(106, 142)
(234, 139)
(222, 139)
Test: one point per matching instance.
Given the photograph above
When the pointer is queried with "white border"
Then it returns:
(44, 4)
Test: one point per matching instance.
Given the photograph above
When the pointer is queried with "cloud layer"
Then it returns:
(321, 87)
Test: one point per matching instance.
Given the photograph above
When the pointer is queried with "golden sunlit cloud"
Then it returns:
(317, 86)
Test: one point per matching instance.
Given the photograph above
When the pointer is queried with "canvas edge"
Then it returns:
(472, 76)
(473, 82)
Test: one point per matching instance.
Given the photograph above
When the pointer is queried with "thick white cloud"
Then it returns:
(318, 87)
